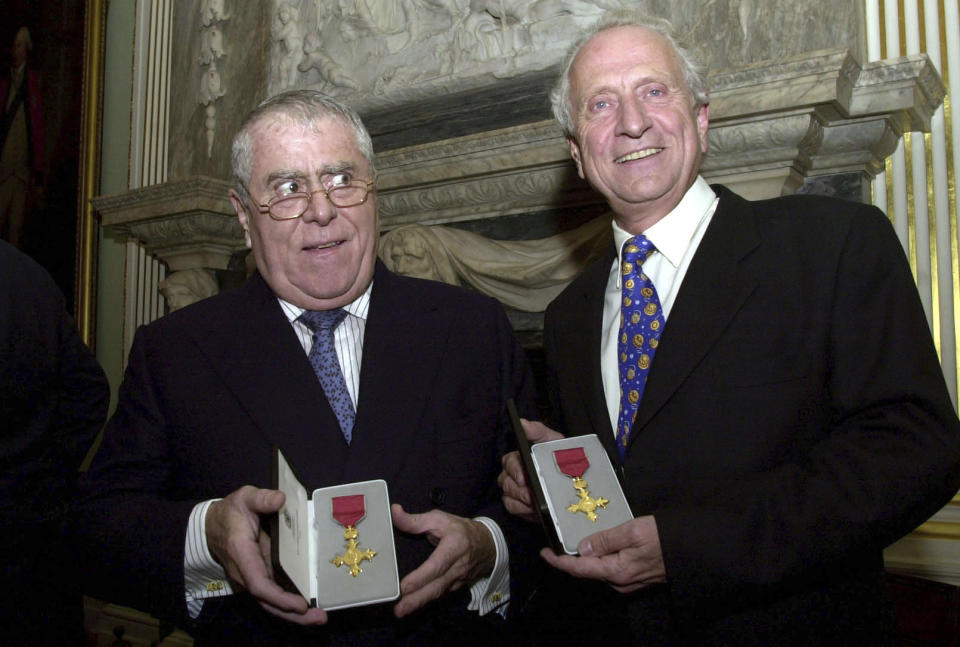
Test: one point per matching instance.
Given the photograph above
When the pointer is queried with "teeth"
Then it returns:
(327, 245)
(647, 152)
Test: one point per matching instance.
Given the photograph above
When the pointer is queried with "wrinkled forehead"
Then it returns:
(625, 47)
(334, 137)
(277, 125)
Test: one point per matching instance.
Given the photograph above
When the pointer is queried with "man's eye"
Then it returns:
(656, 92)
(340, 179)
(288, 187)
(600, 105)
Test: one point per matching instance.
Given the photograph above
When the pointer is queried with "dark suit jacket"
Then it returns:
(794, 423)
(210, 388)
(53, 402)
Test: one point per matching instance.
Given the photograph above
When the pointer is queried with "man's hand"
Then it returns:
(235, 540)
(464, 553)
(517, 497)
(627, 557)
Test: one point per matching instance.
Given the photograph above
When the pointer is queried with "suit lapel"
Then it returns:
(713, 290)
(257, 355)
(402, 349)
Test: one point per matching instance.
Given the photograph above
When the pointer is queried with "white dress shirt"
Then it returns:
(203, 575)
(676, 237)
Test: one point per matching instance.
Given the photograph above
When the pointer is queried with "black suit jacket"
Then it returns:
(795, 422)
(53, 402)
(210, 388)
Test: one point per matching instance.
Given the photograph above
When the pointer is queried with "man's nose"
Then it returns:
(319, 208)
(633, 118)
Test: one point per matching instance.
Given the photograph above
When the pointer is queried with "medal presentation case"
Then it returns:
(334, 547)
(574, 486)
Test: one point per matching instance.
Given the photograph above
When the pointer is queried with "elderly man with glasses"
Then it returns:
(211, 388)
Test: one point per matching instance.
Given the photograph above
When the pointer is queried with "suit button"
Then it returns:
(438, 495)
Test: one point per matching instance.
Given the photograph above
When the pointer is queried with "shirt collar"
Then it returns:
(671, 235)
(358, 307)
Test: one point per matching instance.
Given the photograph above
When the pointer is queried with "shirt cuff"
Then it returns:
(202, 574)
(493, 592)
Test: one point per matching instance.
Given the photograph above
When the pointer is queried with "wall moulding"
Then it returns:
(187, 224)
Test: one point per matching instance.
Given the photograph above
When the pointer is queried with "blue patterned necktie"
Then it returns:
(641, 324)
(323, 358)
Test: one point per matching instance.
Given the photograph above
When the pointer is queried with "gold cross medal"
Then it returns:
(348, 511)
(574, 463)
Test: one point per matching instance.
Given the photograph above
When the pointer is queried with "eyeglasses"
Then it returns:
(294, 205)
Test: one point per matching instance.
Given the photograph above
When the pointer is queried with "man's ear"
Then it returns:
(575, 154)
(237, 203)
(702, 116)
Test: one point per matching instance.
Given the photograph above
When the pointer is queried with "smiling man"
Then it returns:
(761, 373)
(424, 372)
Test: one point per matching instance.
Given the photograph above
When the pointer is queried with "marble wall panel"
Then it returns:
(243, 74)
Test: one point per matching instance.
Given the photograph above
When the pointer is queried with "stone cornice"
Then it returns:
(194, 194)
(819, 78)
(188, 224)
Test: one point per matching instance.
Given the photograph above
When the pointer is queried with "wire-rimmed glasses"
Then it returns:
(294, 205)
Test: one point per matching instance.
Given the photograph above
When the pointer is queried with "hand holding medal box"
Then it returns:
(575, 487)
(334, 547)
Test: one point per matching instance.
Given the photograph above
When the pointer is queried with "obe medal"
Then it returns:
(574, 463)
(348, 511)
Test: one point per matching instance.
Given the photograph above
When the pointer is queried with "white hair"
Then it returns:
(692, 70)
(305, 107)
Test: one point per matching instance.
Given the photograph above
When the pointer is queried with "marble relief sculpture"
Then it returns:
(211, 88)
(374, 52)
(211, 45)
(287, 36)
(332, 74)
(523, 274)
(212, 11)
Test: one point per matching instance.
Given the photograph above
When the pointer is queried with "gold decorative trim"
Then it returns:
(95, 21)
(938, 530)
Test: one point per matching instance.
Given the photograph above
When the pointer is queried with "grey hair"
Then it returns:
(305, 107)
(693, 71)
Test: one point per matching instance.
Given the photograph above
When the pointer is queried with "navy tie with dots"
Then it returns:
(641, 324)
(323, 358)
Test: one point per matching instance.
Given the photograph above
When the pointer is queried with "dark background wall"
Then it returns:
(57, 29)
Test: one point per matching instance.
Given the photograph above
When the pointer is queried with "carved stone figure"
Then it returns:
(187, 286)
(477, 37)
(331, 72)
(523, 274)
(287, 35)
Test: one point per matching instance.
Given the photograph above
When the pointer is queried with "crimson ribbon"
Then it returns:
(348, 510)
(572, 462)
